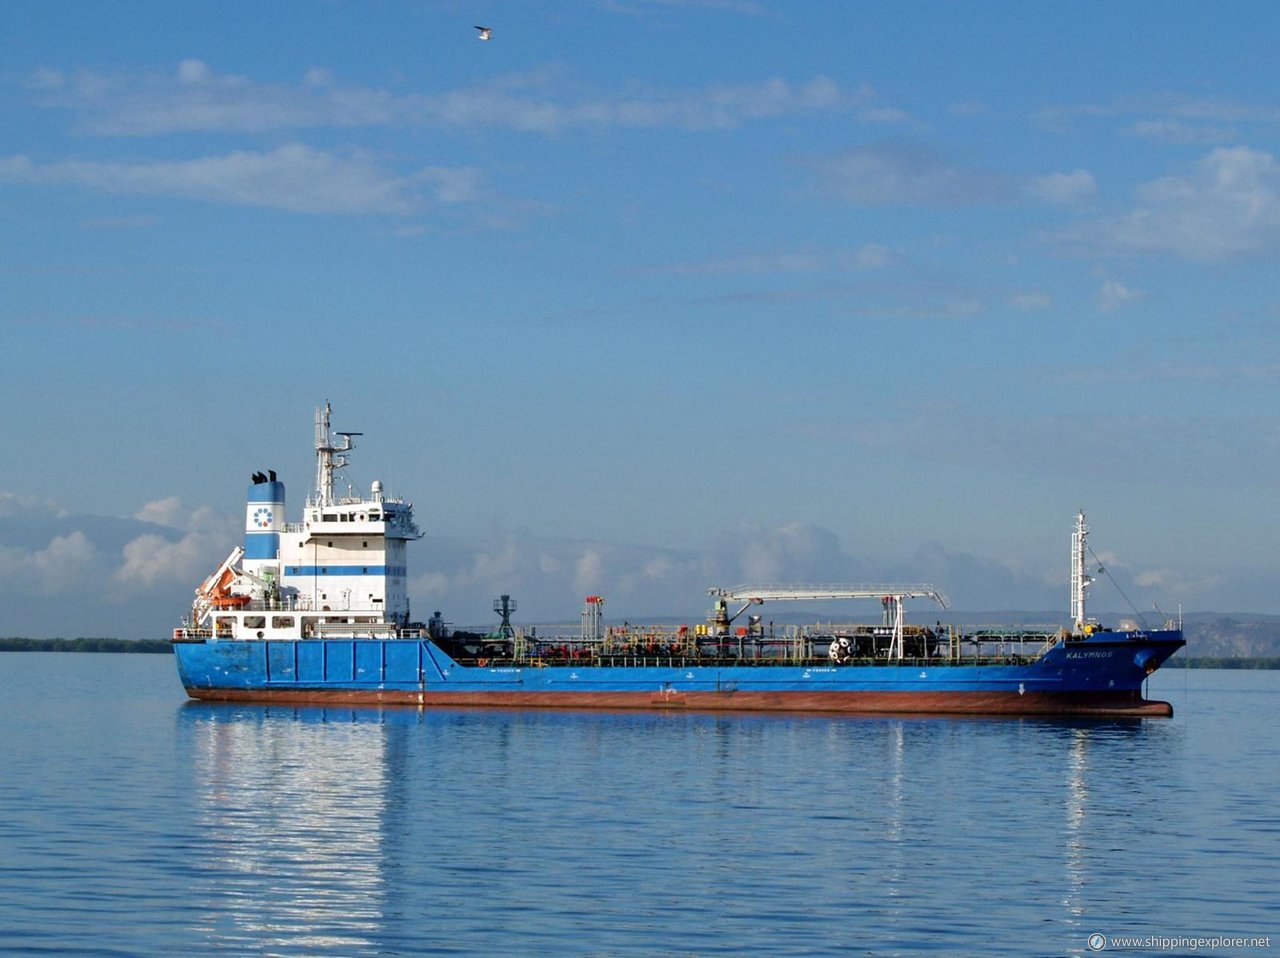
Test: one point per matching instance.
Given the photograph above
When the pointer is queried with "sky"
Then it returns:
(641, 297)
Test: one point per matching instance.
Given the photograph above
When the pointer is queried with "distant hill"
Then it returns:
(1208, 634)
(1234, 635)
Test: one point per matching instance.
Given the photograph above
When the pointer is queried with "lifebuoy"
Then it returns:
(482, 662)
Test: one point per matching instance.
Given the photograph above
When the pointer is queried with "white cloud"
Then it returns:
(140, 221)
(153, 581)
(198, 98)
(194, 71)
(60, 568)
(1114, 294)
(519, 106)
(1188, 586)
(640, 582)
(17, 168)
(549, 577)
(797, 551)
(907, 173)
(64, 560)
(151, 560)
(94, 561)
(873, 256)
(589, 571)
(17, 504)
(1064, 188)
(1227, 206)
(319, 76)
(886, 115)
(1171, 117)
(165, 512)
(1030, 301)
(1180, 132)
(636, 7)
(176, 514)
(294, 177)
(46, 80)
(869, 257)
(452, 185)
(1166, 372)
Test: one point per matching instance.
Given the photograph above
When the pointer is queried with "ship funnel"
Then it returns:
(264, 519)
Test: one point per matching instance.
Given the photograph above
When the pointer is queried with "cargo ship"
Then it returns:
(317, 611)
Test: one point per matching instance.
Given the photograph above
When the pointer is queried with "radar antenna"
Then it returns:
(330, 457)
(504, 606)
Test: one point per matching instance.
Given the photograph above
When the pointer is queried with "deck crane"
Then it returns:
(891, 597)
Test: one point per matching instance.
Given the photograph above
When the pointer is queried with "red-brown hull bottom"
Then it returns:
(937, 703)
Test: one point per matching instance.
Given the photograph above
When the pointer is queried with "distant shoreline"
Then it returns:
(1222, 662)
(164, 647)
(86, 645)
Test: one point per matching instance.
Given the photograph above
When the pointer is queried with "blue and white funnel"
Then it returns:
(264, 518)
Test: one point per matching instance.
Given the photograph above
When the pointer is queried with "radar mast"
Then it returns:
(1080, 578)
(329, 457)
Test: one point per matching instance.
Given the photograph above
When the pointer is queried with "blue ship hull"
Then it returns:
(1099, 674)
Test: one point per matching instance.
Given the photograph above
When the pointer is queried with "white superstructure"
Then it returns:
(342, 570)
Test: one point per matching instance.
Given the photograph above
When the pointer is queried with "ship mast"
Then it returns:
(329, 458)
(1080, 579)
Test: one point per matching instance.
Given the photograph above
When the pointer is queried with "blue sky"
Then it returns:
(643, 296)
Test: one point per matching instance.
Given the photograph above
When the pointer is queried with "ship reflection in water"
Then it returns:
(360, 831)
(293, 807)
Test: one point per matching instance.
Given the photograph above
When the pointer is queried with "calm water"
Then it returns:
(135, 823)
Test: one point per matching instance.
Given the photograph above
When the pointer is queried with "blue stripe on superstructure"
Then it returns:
(261, 545)
(267, 492)
(313, 570)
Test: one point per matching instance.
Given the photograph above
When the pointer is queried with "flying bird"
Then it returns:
(485, 33)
